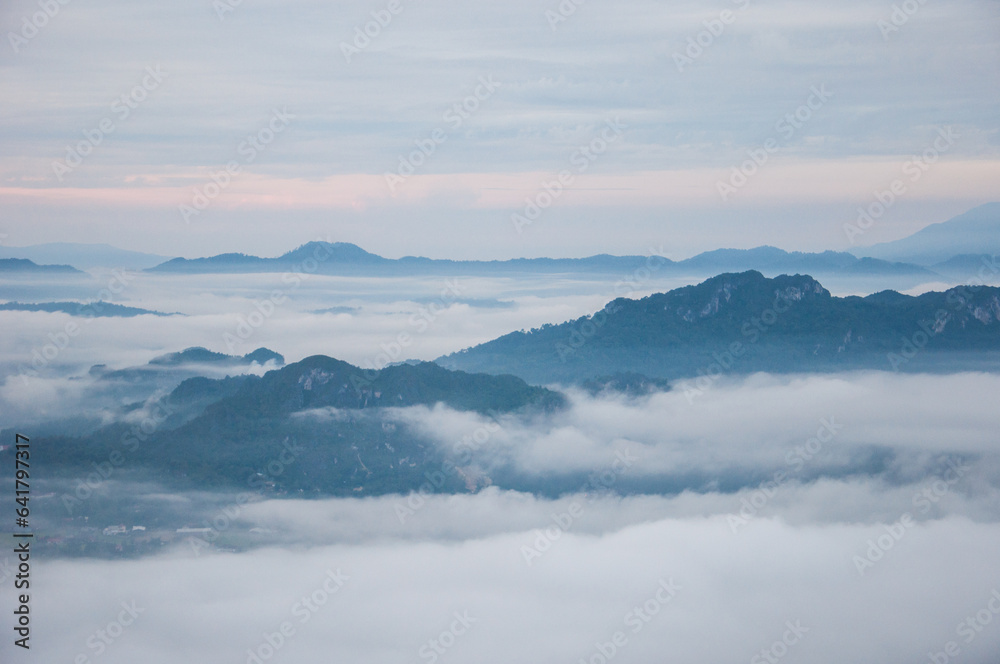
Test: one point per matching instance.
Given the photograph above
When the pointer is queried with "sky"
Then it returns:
(198, 127)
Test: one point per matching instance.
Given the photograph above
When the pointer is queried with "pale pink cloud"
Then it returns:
(781, 180)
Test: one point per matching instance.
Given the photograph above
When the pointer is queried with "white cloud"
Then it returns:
(746, 425)
(734, 595)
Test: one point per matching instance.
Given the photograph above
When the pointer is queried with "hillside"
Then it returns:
(337, 418)
(784, 324)
(15, 266)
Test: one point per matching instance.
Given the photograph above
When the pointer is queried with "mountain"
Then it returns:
(86, 309)
(106, 393)
(25, 266)
(321, 257)
(978, 268)
(338, 423)
(974, 232)
(175, 367)
(324, 382)
(742, 323)
(84, 256)
(199, 355)
(165, 372)
(773, 260)
(345, 258)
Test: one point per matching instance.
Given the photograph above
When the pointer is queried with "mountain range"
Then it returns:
(345, 258)
(84, 256)
(346, 428)
(746, 322)
(946, 249)
(9, 266)
(96, 309)
(336, 419)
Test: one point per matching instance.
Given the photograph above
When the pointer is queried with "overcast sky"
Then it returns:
(349, 109)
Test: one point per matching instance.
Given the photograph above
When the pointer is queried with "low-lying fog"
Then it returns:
(837, 518)
(814, 558)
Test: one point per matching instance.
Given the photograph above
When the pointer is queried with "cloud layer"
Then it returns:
(698, 88)
(734, 595)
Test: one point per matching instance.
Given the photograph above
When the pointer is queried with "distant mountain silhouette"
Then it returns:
(321, 257)
(974, 232)
(25, 266)
(199, 355)
(772, 259)
(84, 256)
(976, 268)
(345, 258)
(86, 309)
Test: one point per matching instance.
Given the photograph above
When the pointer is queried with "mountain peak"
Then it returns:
(201, 355)
(976, 231)
(341, 252)
(26, 265)
(743, 322)
(754, 285)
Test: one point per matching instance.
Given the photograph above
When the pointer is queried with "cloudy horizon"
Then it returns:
(183, 510)
(645, 108)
